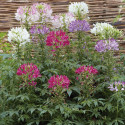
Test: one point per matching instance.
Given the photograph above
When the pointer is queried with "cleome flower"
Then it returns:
(85, 74)
(79, 25)
(29, 72)
(106, 45)
(78, 7)
(84, 69)
(105, 30)
(61, 81)
(57, 39)
(18, 35)
(39, 29)
(44, 10)
(117, 86)
(27, 15)
(62, 20)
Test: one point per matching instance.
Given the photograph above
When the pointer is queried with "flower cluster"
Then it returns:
(78, 7)
(62, 81)
(57, 39)
(84, 69)
(105, 45)
(27, 15)
(99, 28)
(79, 25)
(18, 35)
(105, 30)
(29, 72)
(117, 86)
(62, 20)
(44, 10)
(39, 29)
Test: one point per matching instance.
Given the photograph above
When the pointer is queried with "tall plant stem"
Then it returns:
(117, 106)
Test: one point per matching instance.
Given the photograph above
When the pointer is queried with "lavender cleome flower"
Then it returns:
(101, 46)
(39, 29)
(114, 69)
(105, 45)
(117, 86)
(79, 25)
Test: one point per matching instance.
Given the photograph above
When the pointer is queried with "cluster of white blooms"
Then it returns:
(100, 27)
(105, 30)
(61, 20)
(78, 7)
(18, 35)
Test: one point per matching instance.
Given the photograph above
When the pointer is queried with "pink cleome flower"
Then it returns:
(30, 72)
(44, 10)
(27, 14)
(57, 39)
(57, 80)
(89, 69)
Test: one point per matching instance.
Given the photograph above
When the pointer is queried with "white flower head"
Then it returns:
(18, 35)
(106, 30)
(78, 7)
(99, 28)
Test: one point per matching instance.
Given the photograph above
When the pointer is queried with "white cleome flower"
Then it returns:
(106, 31)
(18, 35)
(78, 7)
(100, 27)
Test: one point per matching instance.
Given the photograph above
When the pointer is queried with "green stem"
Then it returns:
(18, 51)
(117, 106)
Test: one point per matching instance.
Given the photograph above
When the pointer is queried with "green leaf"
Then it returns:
(61, 109)
(30, 123)
(0, 82)
(31, 110)
(76, 89)
(69, 92)
(5, 56)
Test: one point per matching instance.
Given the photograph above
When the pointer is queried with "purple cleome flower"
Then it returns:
(105, 45)
(79, 25)
(39, 29)
(117, 86)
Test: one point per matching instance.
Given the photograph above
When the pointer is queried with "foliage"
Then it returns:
(78, 99)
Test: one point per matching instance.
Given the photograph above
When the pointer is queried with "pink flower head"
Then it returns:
(57, 80)
(28, 73)
(89, 69)
(63, 19)
(44, 10)
(29, 69)
(32, 83)
(27, 14)
(57, 39)
(21, 10)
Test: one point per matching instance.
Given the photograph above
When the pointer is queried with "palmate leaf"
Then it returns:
(118, 121)
(23, 98)
(42, 111)
(31, 110)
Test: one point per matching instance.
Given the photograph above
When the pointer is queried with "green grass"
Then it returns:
(2, 35)
(4, 45)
